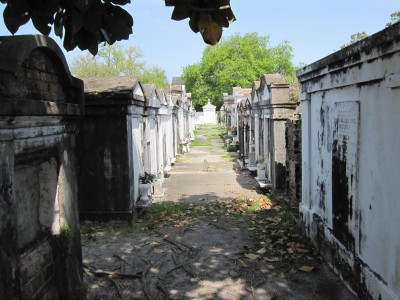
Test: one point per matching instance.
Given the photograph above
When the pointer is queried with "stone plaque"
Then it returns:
(344, 170)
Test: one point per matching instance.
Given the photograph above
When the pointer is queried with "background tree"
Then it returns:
(236, 61)
(88, 23)
(394, 18)
(155, 75)
(117, 60)
(355, 38)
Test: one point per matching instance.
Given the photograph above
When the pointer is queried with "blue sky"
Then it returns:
(314, 28)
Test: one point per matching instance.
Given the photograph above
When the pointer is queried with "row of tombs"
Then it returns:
(349, 138)
(71, 147)
(264, 121)
(349, 207)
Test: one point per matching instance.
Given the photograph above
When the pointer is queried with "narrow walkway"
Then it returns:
(207, 239)
(208, 173)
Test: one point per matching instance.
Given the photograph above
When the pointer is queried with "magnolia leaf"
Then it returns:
(41, 25)
(92, 22)
(306, 269)
(170, 3)
(69, 41)
(93, 48)
(210, 31)
(77, 21)
(118, 23)
(180, 12)
(13, 21)
(58, 25)
(42, 15)
(120, 2)
(222, 21)
(82, 5)
(194, 22)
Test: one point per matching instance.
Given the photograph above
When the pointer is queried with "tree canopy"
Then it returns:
(117, 60)
(87, 23)
(394, 18)
(236, 61)
(355, 38)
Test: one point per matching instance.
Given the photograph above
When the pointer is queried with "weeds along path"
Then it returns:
(207, 242)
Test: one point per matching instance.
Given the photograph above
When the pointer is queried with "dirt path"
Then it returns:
(212, 236)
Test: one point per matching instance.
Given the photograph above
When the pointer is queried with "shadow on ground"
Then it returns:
(235, 249)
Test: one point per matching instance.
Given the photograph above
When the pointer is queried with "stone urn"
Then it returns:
(261, 174)
(144, 191)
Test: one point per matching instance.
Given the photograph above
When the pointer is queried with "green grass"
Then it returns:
(211, 132)
(229, 157)
(200, 143)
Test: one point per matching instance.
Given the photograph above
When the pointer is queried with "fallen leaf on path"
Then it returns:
(273, 259)
(240, 263)
(252, 256)
(275, 220)
(306, 269)
(182, 223)
(262, 251)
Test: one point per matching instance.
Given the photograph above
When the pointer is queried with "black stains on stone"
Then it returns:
(370, 207)
(351, 179)
(341, 202)
(360, 234)
(322, 116)
(6, 191)
(332, 252)
(281, 174)
(322, 192)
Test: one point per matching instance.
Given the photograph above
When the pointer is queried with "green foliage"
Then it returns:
(112, 60)
(65, 241)
(147, 178)
(117, 60)
(231, 148)
(82, 23)
(206, 17)
(155, 75)
(394, 18)
(355, 38)
(236, 61)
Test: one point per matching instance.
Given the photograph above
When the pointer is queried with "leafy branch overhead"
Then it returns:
(206, 16)
(82, 23)
(87, 23)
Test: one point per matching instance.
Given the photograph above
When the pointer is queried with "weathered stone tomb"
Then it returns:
(40, 250)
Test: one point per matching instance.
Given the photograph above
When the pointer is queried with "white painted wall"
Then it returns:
(352, 99)
(210, 116)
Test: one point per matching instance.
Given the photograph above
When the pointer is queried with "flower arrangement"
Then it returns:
(147, 178)
(260, 159)
(233, 128)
